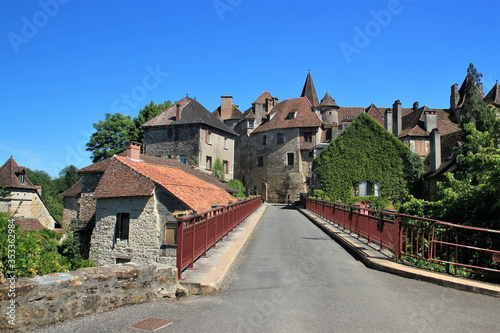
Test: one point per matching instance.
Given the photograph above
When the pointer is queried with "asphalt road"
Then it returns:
(293, 278)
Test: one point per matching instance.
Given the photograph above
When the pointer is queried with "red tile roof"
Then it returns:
(101, 166)
(263, 97)
(29, 224)
(9, 176)
(125, 177)
(304, 116)
(328, 101)
(235, 113)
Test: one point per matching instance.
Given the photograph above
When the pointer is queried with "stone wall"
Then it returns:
(173, 141)
(56, 297)
(27, 203)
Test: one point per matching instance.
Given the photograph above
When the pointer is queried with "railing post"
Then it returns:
(180, 243)
(397, 237)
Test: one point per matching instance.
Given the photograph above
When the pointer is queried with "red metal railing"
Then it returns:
(197, 233)
(447, 247)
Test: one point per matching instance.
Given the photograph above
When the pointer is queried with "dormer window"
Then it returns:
(250, 123)
(291, 115)
(21, 178)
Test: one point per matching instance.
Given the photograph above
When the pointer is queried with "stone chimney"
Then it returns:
(454, 97)
(134, 151)
(480, 87)
(177, 112)
(415, 106)
(430, 120)
(388, 120)
(226, 107)
(435, 153)
(397, 119)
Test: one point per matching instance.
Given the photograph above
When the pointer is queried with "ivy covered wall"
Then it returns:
(365, 151)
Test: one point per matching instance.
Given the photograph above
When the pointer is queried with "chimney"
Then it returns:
(454, 97)
(388, 120)
(177, 112)
(397, 123)
(435, 154)
(415, 106)
(480, 87)
(430, 120)
(226, 107)
(134, 151)
(259, 111)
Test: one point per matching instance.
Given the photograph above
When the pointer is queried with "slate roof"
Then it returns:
(309, 91)
(304, 116)
(493, 96)
(29, 224)
(414, 125)
(125, 178)
(9, 173)
(192, 112)
(328, 101)
(101, 166)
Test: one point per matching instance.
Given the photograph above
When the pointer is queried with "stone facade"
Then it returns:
(24, 203)
(56, 297)
(150, 218)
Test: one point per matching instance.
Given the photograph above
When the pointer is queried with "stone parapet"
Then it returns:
(57, 297)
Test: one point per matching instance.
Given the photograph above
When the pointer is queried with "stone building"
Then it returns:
(135, 209)
(79, 211)
(23, 199)
(188, 132)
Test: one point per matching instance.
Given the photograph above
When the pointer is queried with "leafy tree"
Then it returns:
(218, 169)
(150, 111)
(365, 151)
(474, 109)
(68, 177)
(111, 136)
(238, 186)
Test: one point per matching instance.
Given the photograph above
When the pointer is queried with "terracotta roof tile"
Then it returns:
(328, 101)
(263, 97)
(74, 190)
(304, 116)
(309, 91)
(29, 224)
(235, 113)
(101, 166)
(193, 191)
(9, 176)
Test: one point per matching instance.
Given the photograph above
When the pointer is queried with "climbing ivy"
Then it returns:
(365, 151)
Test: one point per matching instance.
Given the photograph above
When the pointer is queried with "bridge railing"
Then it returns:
(197, 233)
(438, 245)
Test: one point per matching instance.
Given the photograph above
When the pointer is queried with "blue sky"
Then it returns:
(64, 64)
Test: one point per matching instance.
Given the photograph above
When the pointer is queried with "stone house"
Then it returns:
(79, 211)
(24, 199)
(135, 209)
(188, 132)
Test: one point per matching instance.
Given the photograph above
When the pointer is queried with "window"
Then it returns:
(21, 178)
(308, 136)
(291, 158)
(250, 123)
(264, 139)
(366, 188)
(225, 143)
(260, 161)
(122, 225)
(208, 139)
(281, 137)
(291, 115)
(226, 166)
(209, 163)
(183, 159)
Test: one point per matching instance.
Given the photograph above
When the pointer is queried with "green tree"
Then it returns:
(218, 169)
(148, 112)
(474, 110)
(238, 186)
(111, 136)
(68, 177)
